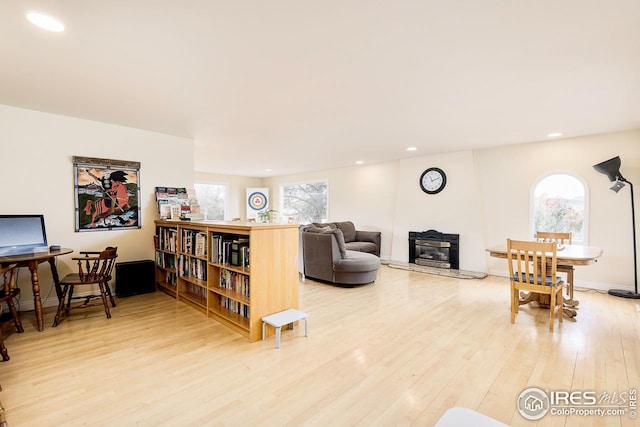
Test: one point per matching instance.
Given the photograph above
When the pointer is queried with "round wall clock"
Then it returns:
(433, 180)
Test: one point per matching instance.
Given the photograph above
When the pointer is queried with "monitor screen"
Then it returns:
(22, 234)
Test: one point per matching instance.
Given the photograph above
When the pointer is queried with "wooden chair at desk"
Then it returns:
(8, 292)
(94, 268)
(563, 239)
(532, 269)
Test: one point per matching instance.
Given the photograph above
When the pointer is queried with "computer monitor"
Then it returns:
(22, 234)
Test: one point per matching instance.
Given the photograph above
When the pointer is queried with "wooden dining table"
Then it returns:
(575, 255)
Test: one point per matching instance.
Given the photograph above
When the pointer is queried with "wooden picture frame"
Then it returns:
(107, 194)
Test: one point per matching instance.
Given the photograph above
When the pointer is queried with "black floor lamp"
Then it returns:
(611, 168)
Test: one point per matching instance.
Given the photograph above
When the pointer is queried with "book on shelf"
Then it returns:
(175, 211)
(214, 252)
(166, 260)
(186, 242)
(201, 244)
(195, 290)
(168, 279)
(244, 256)
(165, 210)
(229, 249)
(235, 282)
(235, 307)
(238, 249)
(192, 267)
(167, 239)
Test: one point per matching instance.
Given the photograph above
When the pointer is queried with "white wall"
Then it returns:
(236, 187)
(363, 194)
(37, 175)
(387, 197)
(506, 174)
(456, 209)
(487, 199)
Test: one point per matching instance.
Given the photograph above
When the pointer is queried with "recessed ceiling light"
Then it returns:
(359, 162)
(554, 134)
(268, 170)
(46, 22)
(412, 148)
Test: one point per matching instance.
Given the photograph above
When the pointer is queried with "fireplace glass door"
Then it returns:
(433, 253)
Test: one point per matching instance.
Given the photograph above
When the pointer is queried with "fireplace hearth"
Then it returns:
(434, 249)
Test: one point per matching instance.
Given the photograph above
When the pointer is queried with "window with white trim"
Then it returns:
(559, 204)
(212, 198)
(305, 201)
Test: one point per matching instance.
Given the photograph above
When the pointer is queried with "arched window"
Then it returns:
(559, 203)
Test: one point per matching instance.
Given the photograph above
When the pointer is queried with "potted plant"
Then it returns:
(267, 215)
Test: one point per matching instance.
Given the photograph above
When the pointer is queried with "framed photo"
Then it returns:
(107, 193)
(257, 201)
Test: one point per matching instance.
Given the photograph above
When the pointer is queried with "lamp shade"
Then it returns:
(610, 167)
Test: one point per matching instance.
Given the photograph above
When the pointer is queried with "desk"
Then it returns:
(571, 255)
(31, 261)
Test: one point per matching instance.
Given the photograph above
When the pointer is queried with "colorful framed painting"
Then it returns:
(107, 194)
(257, 201)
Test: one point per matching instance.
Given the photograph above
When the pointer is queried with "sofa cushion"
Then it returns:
(357, 262)
(328, 230)
(316, 229)
(368, 247)
(348, 229)
(324, 224)
(341, 243)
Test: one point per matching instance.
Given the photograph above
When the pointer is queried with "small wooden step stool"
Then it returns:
(278, 320)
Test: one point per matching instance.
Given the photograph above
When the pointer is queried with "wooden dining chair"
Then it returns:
(533, 267)
(94, 269)
(8, 293)
(564, 239)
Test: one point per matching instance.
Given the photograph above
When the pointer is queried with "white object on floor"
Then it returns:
(278, 320)
(461, 417)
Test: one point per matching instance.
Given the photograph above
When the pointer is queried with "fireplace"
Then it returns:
(434, 249)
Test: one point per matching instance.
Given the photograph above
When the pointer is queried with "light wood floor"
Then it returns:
(398, 352)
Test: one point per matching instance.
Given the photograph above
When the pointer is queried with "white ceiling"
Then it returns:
(301, 85)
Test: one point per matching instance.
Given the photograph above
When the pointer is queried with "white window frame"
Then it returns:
(226, 193)
(585, 186)
(309, 181)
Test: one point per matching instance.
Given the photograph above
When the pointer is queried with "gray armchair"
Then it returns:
(326, 258)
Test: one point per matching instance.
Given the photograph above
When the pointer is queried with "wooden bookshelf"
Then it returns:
(257, 276)
(166, 241)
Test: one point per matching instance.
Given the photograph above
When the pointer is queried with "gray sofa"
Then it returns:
(326, 257)
(356, 240)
